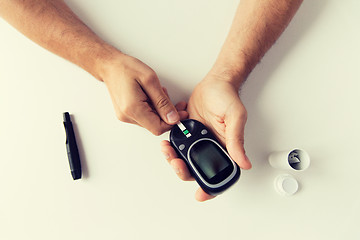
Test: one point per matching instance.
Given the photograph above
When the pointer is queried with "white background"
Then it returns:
(304, 93)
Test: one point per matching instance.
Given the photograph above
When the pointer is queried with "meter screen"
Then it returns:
(209, 157)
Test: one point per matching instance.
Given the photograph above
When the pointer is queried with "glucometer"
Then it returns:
(207, 160)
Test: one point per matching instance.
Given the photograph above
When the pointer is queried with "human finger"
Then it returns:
(181, 106)
(202, 196)
(177, 164)
(145, 116)
(159, 99)
(234, 135)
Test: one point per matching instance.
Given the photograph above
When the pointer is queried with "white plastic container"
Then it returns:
(295, 159)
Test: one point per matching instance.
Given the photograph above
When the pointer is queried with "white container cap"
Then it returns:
(286, 185)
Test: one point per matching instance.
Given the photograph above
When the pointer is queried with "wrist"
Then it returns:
(102, 59)
(230, 71)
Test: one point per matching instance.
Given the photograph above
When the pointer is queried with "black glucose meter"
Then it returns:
(207, 160)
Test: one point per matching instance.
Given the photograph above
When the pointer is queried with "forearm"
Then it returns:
(256, 26)
(55, 27)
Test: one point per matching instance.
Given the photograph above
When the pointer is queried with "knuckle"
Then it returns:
(128, 110)
(241, 141)
(156, 132)
(162, 102)
(157, 129)
(149, 78)
(181, 176)
(243, 114)
(121, 117)
(185, 175)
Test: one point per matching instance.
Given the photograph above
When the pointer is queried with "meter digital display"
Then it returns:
(207, 160)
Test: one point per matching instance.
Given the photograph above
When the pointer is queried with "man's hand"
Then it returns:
(137, 95)
(134, 87)
(215, 102)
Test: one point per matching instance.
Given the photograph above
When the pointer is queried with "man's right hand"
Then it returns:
(135, 89)
(137, 95)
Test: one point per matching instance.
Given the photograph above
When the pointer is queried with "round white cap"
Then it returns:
(286, 185)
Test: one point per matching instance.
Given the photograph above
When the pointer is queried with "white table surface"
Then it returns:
(304, 93)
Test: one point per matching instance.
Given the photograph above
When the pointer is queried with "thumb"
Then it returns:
(161, 102)
(235, 125)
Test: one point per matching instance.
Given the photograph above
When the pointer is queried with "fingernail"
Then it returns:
(177, 170)
(172, 117)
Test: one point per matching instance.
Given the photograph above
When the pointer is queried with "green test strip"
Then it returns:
(184, 130)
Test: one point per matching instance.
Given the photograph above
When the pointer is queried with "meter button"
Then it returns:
(181, 147)
(204, 131)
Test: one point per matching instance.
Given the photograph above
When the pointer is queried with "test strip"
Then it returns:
(181, 126)
(183, 129)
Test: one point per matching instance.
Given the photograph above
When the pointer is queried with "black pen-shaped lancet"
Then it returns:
(71, 147)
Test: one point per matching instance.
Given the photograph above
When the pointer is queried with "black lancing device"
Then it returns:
(207, 160)
(71, 148)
